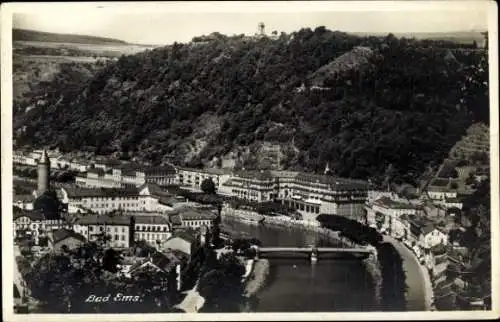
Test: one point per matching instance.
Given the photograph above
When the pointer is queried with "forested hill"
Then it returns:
(359, 103)
(32, 35)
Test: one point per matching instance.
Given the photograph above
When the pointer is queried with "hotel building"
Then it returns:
(192, 178)
(309, 194)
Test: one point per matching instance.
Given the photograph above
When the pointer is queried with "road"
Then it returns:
(419, 293)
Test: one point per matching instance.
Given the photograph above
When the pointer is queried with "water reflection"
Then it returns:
(297, 285)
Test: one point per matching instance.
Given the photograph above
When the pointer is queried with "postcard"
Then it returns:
(297, 160)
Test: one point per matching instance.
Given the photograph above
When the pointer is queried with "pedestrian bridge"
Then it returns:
(313, 252)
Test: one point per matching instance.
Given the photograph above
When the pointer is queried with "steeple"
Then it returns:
(44, 159)
(43, 173)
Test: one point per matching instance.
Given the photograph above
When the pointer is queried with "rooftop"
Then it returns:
(263, 175)
(114, 220)
(208, 170)
(390, 203)
(24, 198)
(61, 234)
(100, 172)
(334, 183)
(156, 190)
(79, 192)
(33, 215)
(151, 219)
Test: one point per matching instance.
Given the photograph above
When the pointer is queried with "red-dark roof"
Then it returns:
(31, 214)
(79, 192)
(61, 234)
(334, 183)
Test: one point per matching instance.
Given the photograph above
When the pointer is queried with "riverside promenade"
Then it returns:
(419, 293)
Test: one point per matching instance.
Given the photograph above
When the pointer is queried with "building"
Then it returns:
(106, 164)
(34, 223)
(98, 178)
(126, 175)
(103, 200)
(450, 203)
(190, 217)
(178, 243)
(24, 201)
(65, 239)
(441, 194)
(386, 214)
(437, 263)
(125, 228)
(192, 178)
(309, 194)
(258, 186)
(153, 229)
(312, 194)
(431, 236)
(119, 229)
(155, 198)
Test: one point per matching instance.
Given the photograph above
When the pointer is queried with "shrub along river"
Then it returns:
(296, 285)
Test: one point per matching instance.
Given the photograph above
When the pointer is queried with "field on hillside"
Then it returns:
(36, 61)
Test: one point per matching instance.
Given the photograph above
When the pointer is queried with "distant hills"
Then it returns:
(455, 36)
(32, 35)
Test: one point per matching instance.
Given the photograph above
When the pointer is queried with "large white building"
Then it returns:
(258, 186)
(192, 178)
(123, 229)
(309, 194)
(103, 200)
(126, 175)
(147, 198)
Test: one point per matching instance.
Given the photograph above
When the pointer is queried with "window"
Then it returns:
(116, 229)
(101, 228)
(123, 229)
(116, 237)
(123, 237)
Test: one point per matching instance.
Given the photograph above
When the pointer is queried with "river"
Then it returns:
(296, 285)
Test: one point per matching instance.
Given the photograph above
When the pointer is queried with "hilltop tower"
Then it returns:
(43, 173)
(261, 29)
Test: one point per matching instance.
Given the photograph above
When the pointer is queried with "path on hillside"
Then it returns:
(418, 295)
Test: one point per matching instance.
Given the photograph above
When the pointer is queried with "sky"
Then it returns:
(164, 24)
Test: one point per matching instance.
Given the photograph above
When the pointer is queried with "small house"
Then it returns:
(65, 239)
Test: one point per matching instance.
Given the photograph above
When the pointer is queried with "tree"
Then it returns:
(48, 204)
(111, 260)
(221, 286)
(208, 186)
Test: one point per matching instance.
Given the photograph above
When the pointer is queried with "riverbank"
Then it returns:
(258, 277)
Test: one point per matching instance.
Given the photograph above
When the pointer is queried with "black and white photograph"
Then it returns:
(297, 159)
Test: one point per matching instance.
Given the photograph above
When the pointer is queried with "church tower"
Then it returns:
(43, 173)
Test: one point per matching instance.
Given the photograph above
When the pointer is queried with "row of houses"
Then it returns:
(121, 229)
(309, 194)
(169, 257)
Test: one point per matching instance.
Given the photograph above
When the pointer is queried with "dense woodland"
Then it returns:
(405, 105)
